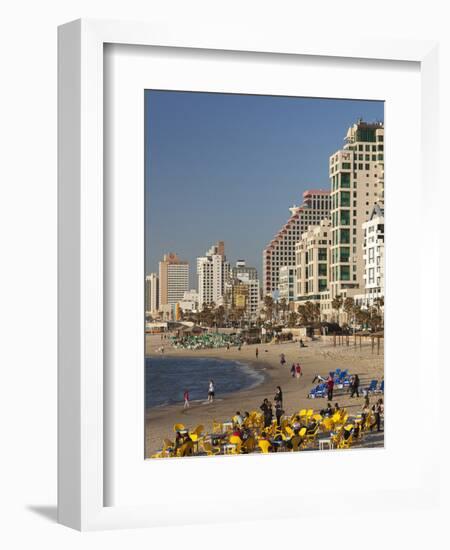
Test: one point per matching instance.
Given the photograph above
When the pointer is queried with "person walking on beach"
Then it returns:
(211, 391)
(282, 359)
(186, 399)
(293, 370)
(298, 371)
(256, 353)
(354, 386)
(330, 387)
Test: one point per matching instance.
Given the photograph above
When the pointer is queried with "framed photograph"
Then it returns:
(235, 226)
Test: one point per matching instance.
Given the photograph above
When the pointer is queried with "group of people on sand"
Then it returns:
(211, 394)
(267, 408)
(296, 368)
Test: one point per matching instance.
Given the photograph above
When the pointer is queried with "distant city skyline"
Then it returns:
(227, 167)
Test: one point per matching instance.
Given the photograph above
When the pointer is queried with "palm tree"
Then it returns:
(349, 304)
(219, 315)
(268, 306)
(336, 304)
(292, 319)
(284, 307)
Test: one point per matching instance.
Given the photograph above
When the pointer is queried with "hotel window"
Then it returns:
(344, 254)
(345, 198)
(345, 180)
(344, 217)
(371, 275)
(344, 236)
(345, 272)
(322, 254)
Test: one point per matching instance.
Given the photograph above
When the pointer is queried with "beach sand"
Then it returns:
(320, 357)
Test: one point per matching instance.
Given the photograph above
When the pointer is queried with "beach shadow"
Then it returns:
(50, 513)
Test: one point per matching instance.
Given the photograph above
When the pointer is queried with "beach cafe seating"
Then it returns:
(338, 431)
(372, 386)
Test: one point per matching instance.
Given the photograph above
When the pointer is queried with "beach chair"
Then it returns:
(381, 388)
(296, 443)
(178, 427)
(216, 427)
(237, 442)
(327, 424)
(373, 386)
(345, 442)
(209, 449)
(187, 449)
(196, 434)
(289, 431)
(249, 445)
(310, 438)
(264, 445)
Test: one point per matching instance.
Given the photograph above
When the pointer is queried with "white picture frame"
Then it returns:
(82, 484)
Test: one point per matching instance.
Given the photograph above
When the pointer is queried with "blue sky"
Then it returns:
(228, 167)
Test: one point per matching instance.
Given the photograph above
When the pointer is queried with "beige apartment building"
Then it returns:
(173, 279)
(287, 283)
(312, 263)
(281, 249)
(357, 184)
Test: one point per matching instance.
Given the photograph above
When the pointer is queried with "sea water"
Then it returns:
(166, 378)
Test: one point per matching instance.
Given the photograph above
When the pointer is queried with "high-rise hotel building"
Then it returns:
(357, 183)
(281, 249)
(151, 293)
(213, 271)
(173, 279)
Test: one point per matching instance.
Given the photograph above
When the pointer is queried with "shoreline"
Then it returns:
(254, 366)
(319, 357)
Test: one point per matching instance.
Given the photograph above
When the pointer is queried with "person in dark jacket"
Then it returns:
(266, 408)
(354, 386)
(278, 396)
